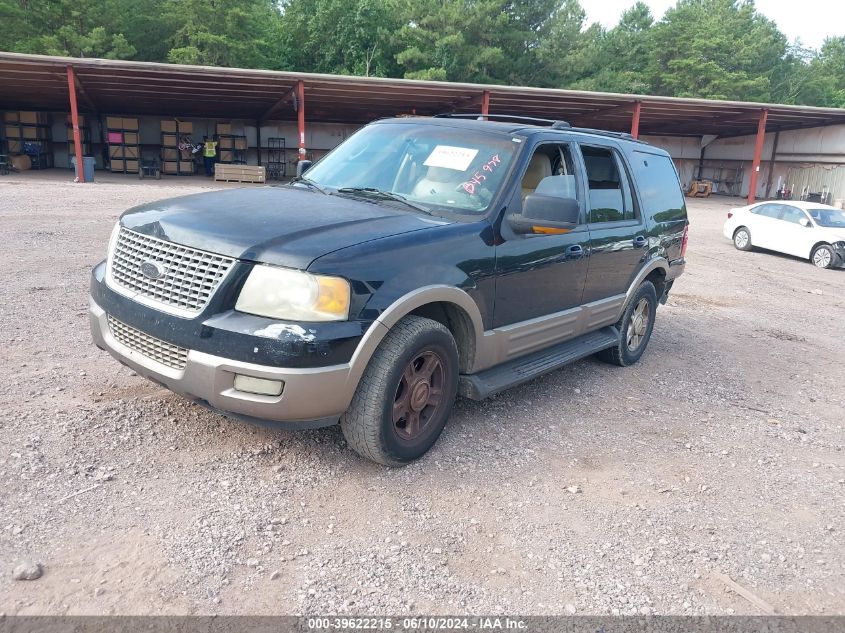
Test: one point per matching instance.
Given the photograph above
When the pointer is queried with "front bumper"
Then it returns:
(312, 397)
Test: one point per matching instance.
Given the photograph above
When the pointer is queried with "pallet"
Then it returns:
(239, 173)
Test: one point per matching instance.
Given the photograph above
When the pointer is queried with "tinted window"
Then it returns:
(792, 214)
(660, 190)
(768, 210)
(609, 193)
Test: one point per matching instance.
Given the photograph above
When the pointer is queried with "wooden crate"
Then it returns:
(239, 173)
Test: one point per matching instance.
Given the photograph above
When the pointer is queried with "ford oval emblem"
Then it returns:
(152, 269)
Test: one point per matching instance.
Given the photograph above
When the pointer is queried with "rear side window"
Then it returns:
(769, 211)
(660, 189)
(608, 185)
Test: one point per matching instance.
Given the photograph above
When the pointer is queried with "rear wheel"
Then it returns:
(405, 395)
(823, 257)
(742, 239)
(635, 327)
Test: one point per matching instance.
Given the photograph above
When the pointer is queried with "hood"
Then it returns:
(277, 225)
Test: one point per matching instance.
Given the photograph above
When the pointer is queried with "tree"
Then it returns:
(719, 49)
(826, 75)
(223, 32)
(350, 37)
(77, 28)
(617, 60)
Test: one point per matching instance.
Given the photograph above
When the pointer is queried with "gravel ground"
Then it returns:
(593, 490)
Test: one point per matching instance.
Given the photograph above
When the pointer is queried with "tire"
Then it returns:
(642, 304)
(742, 239)
(823, 257)
(416, 361)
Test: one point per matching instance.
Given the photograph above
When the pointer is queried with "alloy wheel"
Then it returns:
(741, 239)
(821, 258)
(419, 395)
(638, 325)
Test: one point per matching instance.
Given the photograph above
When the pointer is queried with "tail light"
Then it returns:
(730, 214)
(685, 240)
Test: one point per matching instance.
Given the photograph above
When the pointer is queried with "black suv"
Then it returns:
(421, 259)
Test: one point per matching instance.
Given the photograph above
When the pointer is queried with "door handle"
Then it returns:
(639, 241)
(574, 252)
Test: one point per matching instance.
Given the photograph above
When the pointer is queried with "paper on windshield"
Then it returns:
(457, 158)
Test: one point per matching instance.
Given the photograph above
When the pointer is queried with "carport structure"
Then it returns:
(98, 86)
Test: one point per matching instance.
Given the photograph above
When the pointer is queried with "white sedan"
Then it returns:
(809, 230)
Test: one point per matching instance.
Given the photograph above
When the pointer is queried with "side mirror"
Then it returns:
(546, 214)
(805, 223)
(302, 166)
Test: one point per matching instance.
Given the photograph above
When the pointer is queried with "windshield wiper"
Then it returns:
(308, 183)
(384, 195)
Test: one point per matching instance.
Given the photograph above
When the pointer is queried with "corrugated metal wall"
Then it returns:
(817, 177)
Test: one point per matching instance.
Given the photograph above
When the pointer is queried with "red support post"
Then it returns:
(74, 117)
(758, 154)
(635, 120)
(300, 116)
(485, 103)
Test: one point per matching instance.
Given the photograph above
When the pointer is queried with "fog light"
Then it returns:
(260, 386)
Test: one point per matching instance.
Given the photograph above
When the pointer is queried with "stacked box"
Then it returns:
(232, 148)
(174, 161)
(29, 133)
(239, 173)
(123, 144)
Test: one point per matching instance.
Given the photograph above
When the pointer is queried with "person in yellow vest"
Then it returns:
(209, 155)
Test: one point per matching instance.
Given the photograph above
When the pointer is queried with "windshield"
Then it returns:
(831, 218)
(436, 167)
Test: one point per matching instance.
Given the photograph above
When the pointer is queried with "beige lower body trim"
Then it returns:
(512, 341)
(308, 394)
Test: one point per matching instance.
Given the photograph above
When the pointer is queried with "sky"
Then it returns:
(810, 20)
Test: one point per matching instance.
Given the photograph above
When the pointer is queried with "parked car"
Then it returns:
(422, 258)
(809, 230)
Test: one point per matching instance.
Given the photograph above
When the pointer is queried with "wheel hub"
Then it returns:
(419, 395)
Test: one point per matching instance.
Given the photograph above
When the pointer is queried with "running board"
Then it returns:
(515, 372)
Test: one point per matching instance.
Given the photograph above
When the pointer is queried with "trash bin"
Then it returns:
(88, 163)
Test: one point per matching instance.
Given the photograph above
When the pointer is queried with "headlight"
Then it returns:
(294, 295)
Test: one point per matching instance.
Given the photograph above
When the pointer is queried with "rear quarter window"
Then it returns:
(659, 187)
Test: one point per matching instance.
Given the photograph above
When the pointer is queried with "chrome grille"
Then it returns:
(189, 276)
(149, 346)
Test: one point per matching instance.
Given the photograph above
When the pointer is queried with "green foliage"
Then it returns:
(352, 37)
(222, 32)
(720, 49)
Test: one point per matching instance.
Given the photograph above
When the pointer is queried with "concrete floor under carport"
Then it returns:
(58, 175)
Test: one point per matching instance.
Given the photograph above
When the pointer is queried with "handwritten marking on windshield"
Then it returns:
(478, 177)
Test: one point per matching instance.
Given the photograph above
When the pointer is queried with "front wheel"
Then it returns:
(405, 395)
(635, 327)
(823, 257)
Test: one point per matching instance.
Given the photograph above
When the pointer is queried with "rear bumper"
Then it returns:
(311, 397)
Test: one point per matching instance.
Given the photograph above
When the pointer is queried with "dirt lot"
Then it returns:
(593, 490)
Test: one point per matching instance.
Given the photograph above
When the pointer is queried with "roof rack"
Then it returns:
(590, 130)
(555, 125)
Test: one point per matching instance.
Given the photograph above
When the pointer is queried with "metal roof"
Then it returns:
(38, 82)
